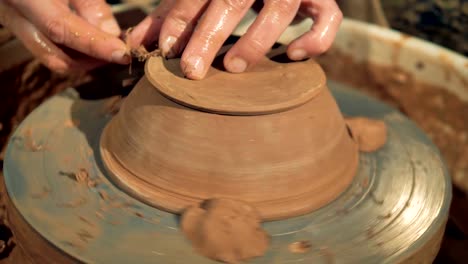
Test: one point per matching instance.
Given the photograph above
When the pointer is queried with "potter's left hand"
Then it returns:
(66, 35)
(173, 22)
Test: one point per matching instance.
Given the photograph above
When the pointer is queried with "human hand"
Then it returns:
(173, 24)
(62, 39)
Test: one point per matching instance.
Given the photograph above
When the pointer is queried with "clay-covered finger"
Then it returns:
(215, 26)
(273, 19)
(55, 20)
(97, 13)
(179, 24)
(327, 19)
(147, 31)
(40, 47)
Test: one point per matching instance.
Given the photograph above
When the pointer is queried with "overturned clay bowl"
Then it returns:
(273, 137)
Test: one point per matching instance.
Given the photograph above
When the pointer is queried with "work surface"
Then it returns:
(450, 238)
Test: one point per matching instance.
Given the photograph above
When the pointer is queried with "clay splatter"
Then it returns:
(365, 183)
(139, 214)
(375, 199)
(369, 134)
(30, 143)
(104, 195)
(81, 177)
(99, 214)
(73, 204)
(44, 193)
(85, 220)
(300, 247)
(387, 216)
(84, 235)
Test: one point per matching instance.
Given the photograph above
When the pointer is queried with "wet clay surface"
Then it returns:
(370, 135)
(225, 230)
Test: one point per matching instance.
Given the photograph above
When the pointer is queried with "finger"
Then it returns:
(147, 32)
(42, 48)
(179, 24)
(97, 13)
(62, 27)
(327, 19)
(81, 62)
(273, 19)
(218, 22)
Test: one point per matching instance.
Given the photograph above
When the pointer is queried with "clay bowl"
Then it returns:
(273, 137)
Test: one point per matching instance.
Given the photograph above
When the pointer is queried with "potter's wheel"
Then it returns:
(395, 208)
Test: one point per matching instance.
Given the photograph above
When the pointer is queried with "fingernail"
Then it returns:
(298, 54)
(237, 65)
(167, 47)
(110, 26)
(120, 56)
(194, 67)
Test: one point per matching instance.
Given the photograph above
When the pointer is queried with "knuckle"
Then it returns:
(90, 4)
(179, 21)
(55, 30)
(285, 6)
(237, 5)
(256, 47)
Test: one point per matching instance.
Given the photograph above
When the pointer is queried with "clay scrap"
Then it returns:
(225, 230)
(369, 134)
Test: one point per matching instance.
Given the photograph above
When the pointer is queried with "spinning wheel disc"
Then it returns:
(397, 204)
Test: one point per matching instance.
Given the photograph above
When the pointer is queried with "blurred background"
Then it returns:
(444, 22)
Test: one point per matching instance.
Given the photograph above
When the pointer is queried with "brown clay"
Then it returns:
(225, 230)
(270, 137)
(369, 134)
(300, 247)
(269, 87)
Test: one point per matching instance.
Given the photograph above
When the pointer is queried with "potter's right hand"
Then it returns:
(196, 30)
(62, 39)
